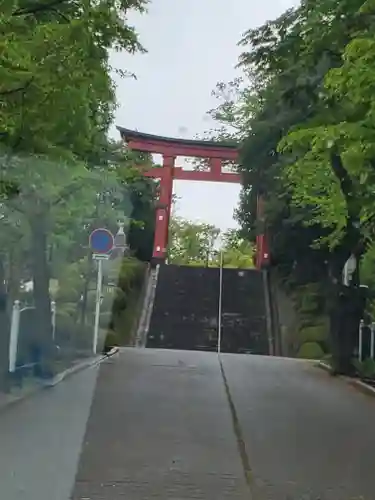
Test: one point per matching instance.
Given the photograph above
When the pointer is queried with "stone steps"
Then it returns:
(186, 308)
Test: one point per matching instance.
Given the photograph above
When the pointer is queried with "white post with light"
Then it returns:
(13, 341)
(220, 303)
(360, 340)
(53, 313)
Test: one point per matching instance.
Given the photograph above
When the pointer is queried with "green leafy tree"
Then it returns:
(191, 243)
(201, 244)
(237, 252)
(57, 102)
(307, 141)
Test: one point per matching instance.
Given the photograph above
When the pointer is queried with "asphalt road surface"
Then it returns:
(41, 439)
(177, 425)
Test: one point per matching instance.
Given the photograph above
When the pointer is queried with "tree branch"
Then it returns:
(345, 181)
(17, 89)
(352, 238)
(68, 192)
(38, 8)
(63, 16)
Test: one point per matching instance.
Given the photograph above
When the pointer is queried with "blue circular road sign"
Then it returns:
(101, 241)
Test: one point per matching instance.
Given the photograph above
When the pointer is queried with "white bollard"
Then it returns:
(14, 331)
(360, 341)
(53, 312)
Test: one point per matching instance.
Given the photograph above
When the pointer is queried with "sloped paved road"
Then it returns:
(160, 428)
(165, 425)
(41, 439)
(308, 436)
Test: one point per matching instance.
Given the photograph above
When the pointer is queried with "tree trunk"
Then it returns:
(13, 279)
(86, 284)
(346, 309)
(43, 345)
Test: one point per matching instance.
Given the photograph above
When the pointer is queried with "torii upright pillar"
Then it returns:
(163, 209)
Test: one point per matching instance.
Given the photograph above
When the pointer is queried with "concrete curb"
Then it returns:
(71, 371)
(356, 383)
(323, 366)
(88, 363)
(361, 386)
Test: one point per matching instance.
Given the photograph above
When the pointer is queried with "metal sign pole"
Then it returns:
(101, 243)
(97, 304)
(220, 303)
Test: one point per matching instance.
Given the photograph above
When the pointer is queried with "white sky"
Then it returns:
(192, 44)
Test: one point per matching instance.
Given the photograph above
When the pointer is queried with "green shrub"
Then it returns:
(65, 323)
(67, 294)
(108, 301)
(66, 309)
(366, 368)
(131, 272)
(111, 340)
(313, 333)
(105, 319)
(307, 298)
(120, 300)
(69, 328)
(310, 350)
(308, 304)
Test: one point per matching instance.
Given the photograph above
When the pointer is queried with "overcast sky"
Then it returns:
(192, 44)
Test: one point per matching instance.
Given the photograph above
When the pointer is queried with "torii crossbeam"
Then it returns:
(170, 149)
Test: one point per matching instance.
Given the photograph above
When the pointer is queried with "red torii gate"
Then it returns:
(170, 148)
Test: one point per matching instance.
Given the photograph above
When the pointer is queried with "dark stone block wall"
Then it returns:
(186, 308)
(244, 325)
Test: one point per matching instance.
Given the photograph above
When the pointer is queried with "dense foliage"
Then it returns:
(305, 114)
(61, 177)
(200, 244)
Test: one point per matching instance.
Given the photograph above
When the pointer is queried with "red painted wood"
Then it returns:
(128, 134)
(181, 150)
(170, 148)
(164, 211)
(216, 166)
(155, 173)
(262, 251)
(262, 247)
(194, 175)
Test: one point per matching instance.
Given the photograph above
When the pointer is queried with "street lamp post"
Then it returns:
(220, 303)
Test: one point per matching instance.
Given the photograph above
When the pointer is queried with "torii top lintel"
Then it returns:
(172, 146)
